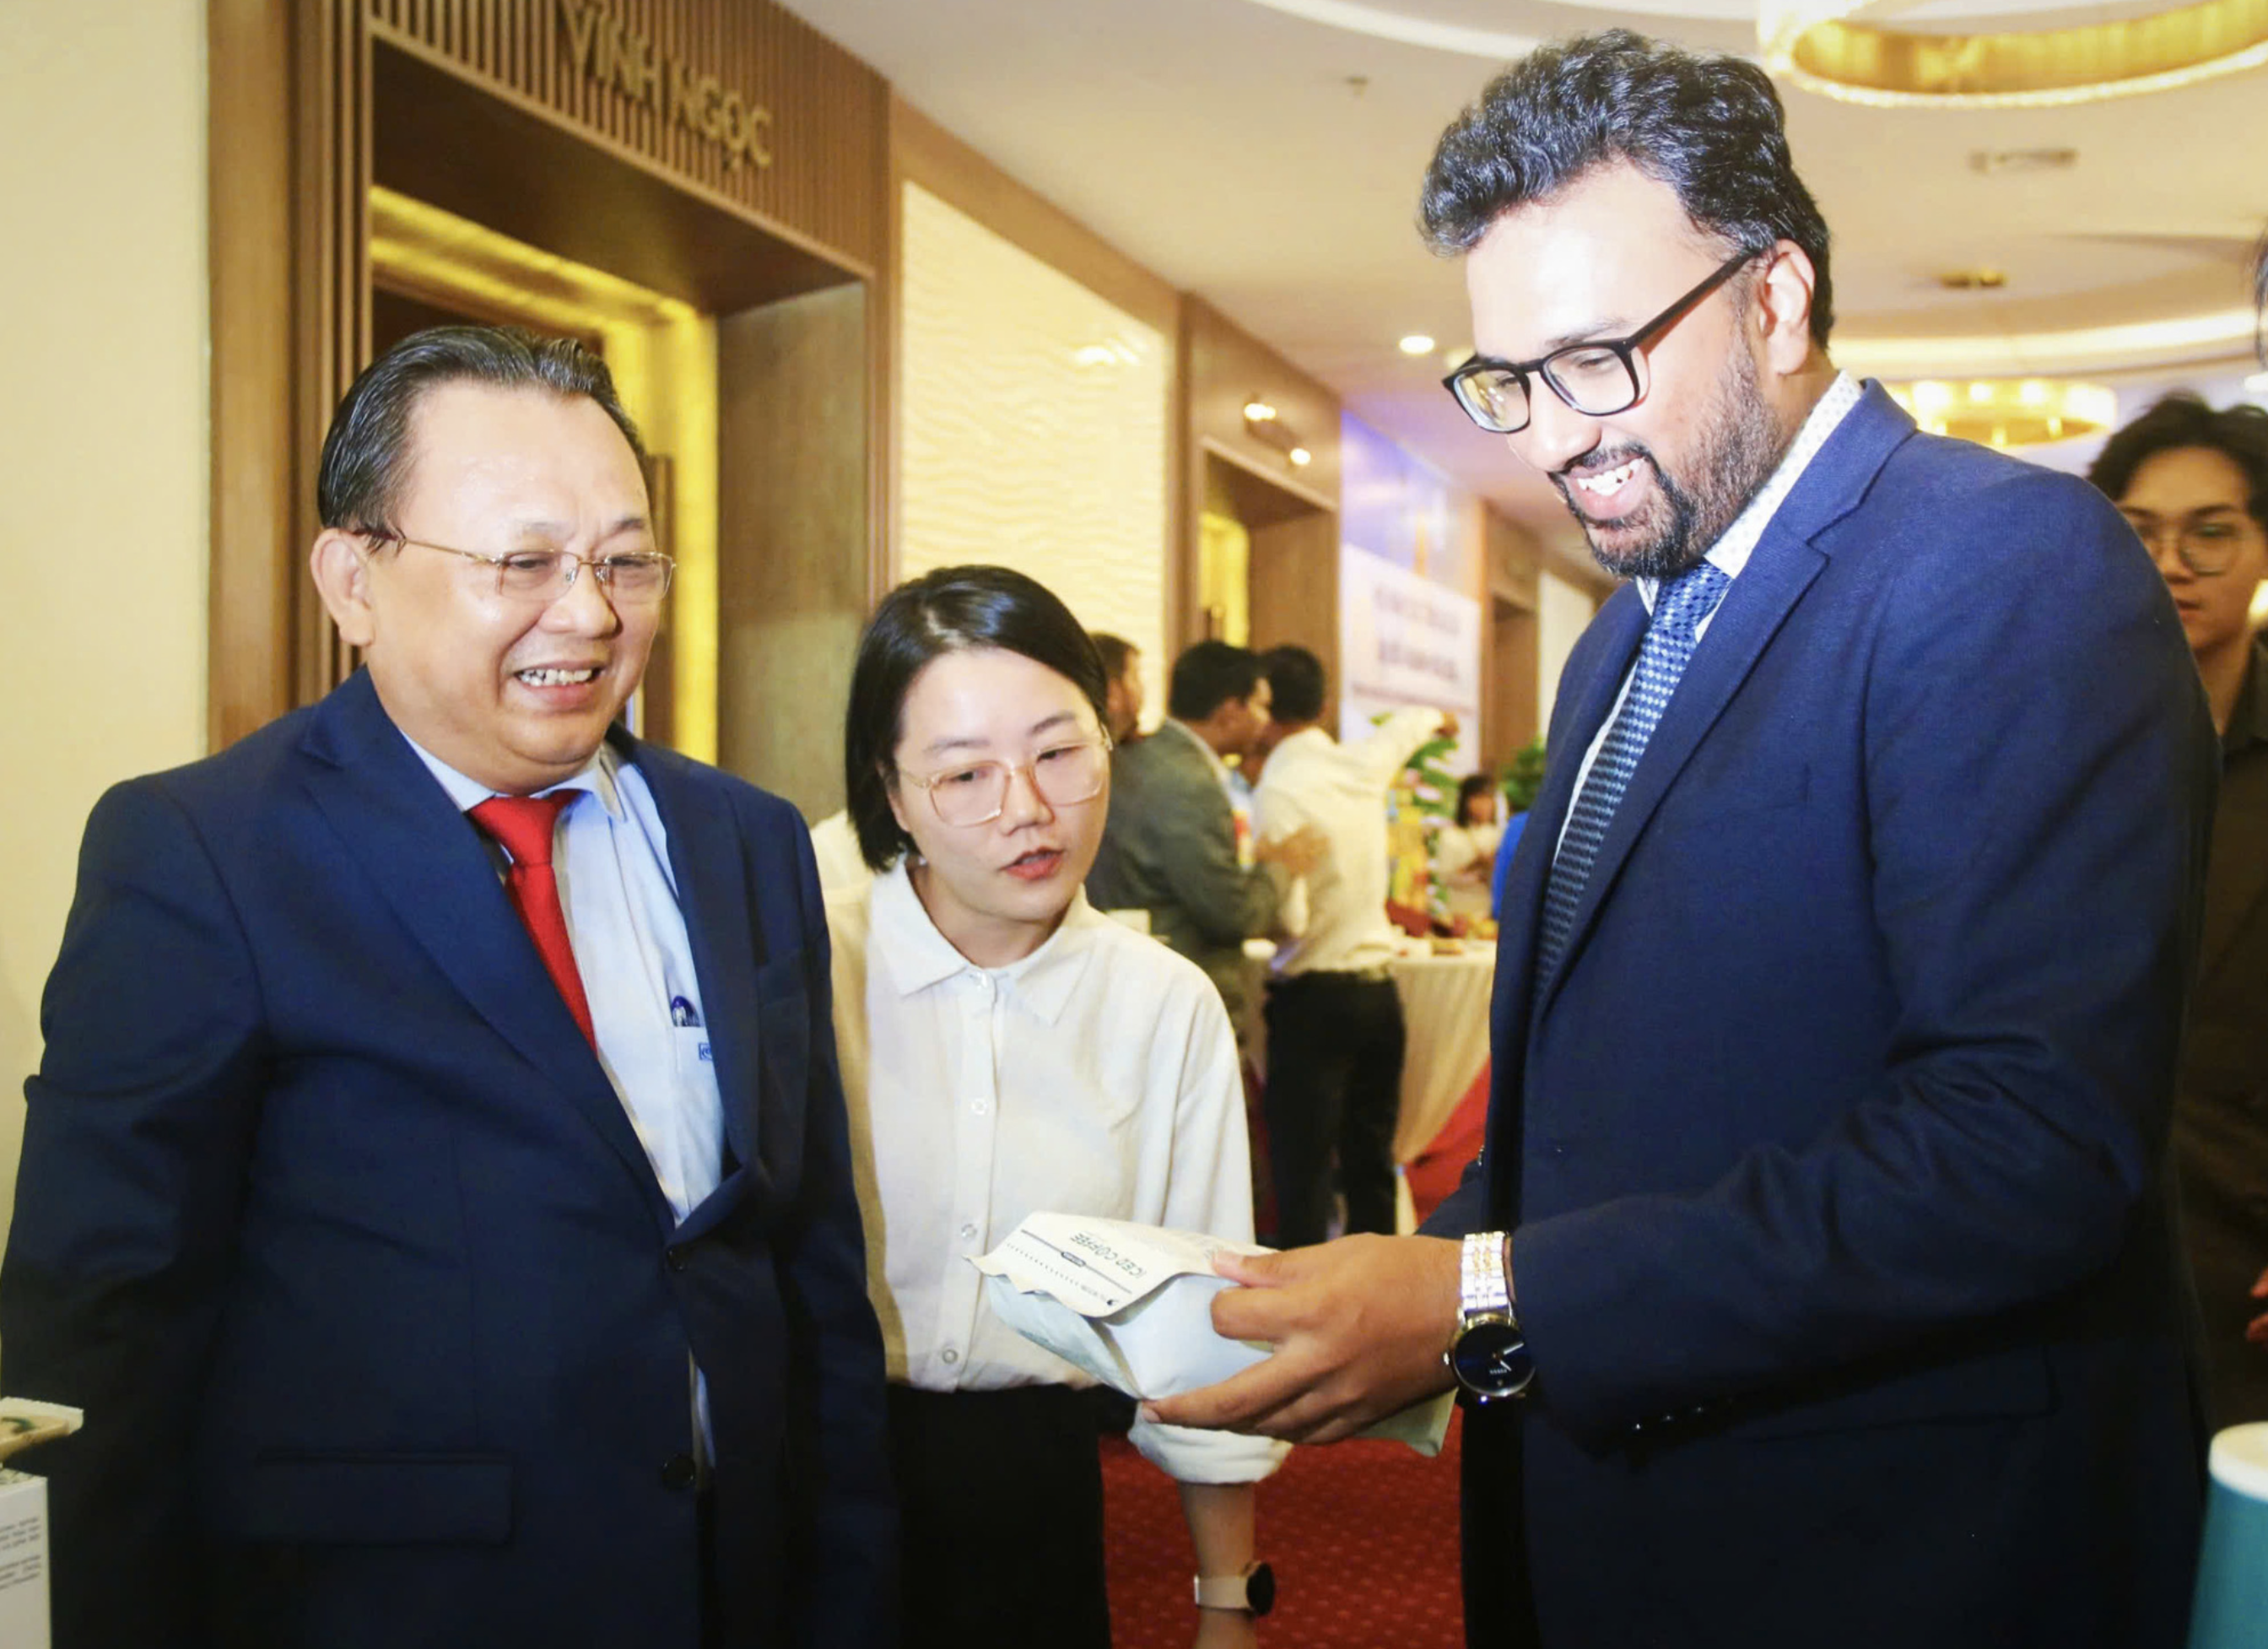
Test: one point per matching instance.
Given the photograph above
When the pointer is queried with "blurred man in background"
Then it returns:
(1170, 845)
(2193, 483)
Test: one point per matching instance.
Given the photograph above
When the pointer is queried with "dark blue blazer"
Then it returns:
(331, 1221)
(1831, 1151)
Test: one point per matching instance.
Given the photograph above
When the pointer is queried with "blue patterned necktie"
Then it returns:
(1679, 607)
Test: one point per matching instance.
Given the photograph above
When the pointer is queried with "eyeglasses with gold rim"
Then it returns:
(1065, 774)
(636, 578)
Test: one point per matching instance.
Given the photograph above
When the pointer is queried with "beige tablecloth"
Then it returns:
(1445, 1003)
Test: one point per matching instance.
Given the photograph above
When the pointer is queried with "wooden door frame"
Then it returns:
(289, 134)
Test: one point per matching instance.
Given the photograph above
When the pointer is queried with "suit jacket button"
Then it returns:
(678, 1259)
(677, 1472)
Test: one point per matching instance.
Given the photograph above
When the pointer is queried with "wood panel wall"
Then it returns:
(297, 95)
(1223, 368)
(825, 130)
(289, 170)
(792, 539)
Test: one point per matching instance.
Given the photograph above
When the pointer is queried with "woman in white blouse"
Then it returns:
(1007, 1049)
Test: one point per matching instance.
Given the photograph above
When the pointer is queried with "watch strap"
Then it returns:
(1483, 1290)
(1252, 1593)
(1222, 1591)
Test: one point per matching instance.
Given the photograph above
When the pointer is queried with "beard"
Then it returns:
(1741, 447)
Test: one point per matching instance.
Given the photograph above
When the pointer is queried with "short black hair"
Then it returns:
(2239, 433)
(367, 451)
(1471, 785)
(1117, 653)
(1296, 686)
(1709, 126)
(1208, 675)
(950, 610)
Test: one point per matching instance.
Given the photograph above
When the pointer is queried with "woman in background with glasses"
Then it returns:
(2194, 484)
(1006, 1049)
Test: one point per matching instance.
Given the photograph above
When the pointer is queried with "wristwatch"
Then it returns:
(1254, 1591)
(1487, 1353)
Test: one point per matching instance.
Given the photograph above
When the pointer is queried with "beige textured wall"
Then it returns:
(1562, 610)
(103, 449)
(1032, 418)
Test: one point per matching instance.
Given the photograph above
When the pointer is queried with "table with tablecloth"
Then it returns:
(1445, 1006)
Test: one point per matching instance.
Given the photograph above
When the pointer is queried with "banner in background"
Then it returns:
(1403, 640)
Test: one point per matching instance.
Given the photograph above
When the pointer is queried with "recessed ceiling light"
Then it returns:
(1258, 411)
(1417, 343)
(1300, 456)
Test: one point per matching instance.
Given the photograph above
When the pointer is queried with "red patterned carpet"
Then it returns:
(1363, 1538)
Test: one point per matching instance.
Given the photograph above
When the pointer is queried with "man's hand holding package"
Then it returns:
(1358, 1325)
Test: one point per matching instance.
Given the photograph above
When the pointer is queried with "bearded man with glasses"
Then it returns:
(1813, 1285)
(436, 1188)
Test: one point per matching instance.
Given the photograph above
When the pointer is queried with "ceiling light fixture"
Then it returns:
(1263, 425)
(1808, 41)
(2221, 335)
(2008, 412)
(1417, 343)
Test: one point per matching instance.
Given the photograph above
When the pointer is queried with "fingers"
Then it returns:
(1254, 1271)
(2260, 1286)
(2256, 1330)
(1251, 1314)
(1234, 1404)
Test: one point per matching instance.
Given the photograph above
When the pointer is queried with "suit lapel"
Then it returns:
(1623, 624)
(1779, 571)
(428, 864)
(1758, 602)
(706, 865)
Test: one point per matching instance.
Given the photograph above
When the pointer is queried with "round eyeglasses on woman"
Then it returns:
(977, 793)
(1597, 378)
(543, 575)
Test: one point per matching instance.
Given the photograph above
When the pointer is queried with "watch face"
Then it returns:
(1491, 1359)
(1260, 1589)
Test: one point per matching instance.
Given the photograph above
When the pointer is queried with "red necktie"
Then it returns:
(524, 825)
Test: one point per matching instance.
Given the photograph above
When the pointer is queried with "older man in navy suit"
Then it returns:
(435, 1188)
(1815, 1284)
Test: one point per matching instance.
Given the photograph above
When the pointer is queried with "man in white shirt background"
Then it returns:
(1335, 1032)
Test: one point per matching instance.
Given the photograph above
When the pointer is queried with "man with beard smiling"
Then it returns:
(1814, 1285)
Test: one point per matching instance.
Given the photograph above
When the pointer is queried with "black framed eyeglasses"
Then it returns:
(1597, 378)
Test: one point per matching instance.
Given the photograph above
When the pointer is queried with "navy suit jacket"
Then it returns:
(1831, 1151)
(331, 1221)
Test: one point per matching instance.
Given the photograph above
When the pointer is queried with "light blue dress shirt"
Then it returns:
(611, 861)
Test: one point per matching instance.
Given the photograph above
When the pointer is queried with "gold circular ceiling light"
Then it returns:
(2008, 411)
(1810, 44)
